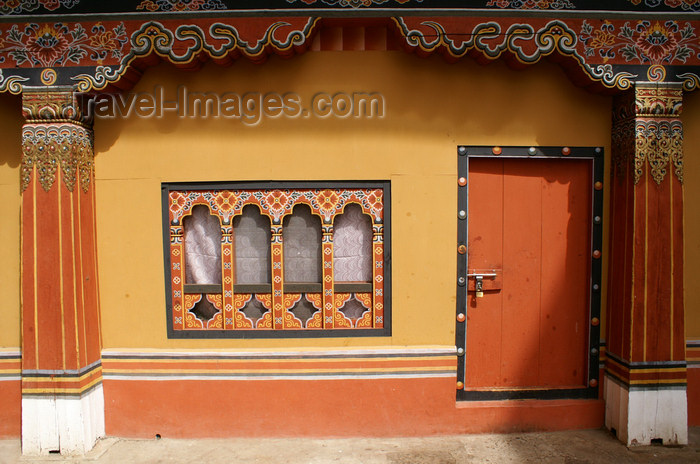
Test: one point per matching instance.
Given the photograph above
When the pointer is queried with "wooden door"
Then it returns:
(529, 222)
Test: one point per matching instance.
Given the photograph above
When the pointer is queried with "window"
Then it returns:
(282, 259)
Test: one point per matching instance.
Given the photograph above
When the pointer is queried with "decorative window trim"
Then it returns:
(327, 200)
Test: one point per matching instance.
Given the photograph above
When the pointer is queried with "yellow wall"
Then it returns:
(431, 107)
(10, 134)
(691, 178)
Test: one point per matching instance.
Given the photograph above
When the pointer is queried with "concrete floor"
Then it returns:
(573, 447)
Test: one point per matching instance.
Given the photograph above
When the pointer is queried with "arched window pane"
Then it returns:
(352, 246)
(253, 236)
(301, 236)
(202, 247)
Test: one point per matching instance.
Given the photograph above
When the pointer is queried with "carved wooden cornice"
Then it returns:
(110, 52)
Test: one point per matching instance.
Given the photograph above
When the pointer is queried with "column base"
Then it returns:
(62, 425)
(639, 416)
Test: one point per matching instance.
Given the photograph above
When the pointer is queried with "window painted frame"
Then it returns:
(327, 200)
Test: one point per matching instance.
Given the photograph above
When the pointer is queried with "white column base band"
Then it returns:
(640, 416)
(65, 425)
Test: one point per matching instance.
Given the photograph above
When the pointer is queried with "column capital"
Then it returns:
(55, 104)
(56, 138)
(647, 130)
(649, 100)
(658, 99)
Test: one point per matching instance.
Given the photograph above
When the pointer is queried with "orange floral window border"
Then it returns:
(276, 200)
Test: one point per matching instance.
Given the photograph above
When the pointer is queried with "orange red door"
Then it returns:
(529, 241)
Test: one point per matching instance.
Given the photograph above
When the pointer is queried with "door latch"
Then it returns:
(479, 277)
(479, 286)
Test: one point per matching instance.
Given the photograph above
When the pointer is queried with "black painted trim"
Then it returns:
(63, 394)
(354, 287)
(525, 394)
(166, 187)
(59, 374)
(642, 386)
(276, 356)
(303, 287)
(645, 365)
(596, 155)
(130, 7)
(252, 288)
(462, 236)
(202, 288)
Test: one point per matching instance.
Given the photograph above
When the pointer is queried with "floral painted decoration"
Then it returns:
(532, 4)
(26, 6)
(641, 43)
(352, 3)
(693, 5)
(59, 44)
(180, 5)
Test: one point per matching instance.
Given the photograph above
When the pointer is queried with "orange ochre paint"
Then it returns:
(694, 397)
(10, 408)
(325, 408)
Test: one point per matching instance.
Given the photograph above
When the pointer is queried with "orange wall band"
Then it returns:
(46, 383)
(379, 392)
(693, 360)
(322, 408)
(10, 407)
(646, 374)
(352, 363)
(694, 396)
(10, 393)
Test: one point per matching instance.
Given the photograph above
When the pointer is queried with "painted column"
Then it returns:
(62, 399)
(645, 374)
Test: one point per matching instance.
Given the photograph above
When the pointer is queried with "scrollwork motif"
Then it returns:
(676, 148)
(659, 142)
(11, 83)
(57, 136)
(46, 148)
(623, 138)
(527, 44)
(690, 81)
(189, 42)
(658, 130)
(647, 131)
